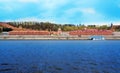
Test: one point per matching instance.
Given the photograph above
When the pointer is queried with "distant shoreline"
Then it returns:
(36, 37)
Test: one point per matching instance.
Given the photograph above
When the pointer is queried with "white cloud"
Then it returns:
(41, 4)
(87, 2)
(52, 4)
(81, 10)
(88, 10)
(85, 14)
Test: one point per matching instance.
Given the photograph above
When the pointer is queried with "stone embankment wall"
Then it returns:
(114, 36)
(41, 37)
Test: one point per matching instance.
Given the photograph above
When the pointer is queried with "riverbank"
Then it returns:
(39, 37)
(48, 37)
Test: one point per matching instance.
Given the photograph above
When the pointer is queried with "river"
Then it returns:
(59, 56)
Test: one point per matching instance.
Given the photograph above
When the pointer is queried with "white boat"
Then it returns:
(97, 38)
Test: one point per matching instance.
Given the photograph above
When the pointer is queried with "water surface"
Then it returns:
(59, 56)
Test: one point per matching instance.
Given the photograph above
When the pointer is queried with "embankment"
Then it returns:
(48, 37)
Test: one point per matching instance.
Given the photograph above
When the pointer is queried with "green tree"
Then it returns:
(91, 26)
(103, 27)
(7, 29)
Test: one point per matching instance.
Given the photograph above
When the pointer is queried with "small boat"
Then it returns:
(97, 38)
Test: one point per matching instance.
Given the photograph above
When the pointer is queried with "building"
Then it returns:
(30, 32)
(91, 32)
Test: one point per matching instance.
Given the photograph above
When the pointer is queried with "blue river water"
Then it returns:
(59, 56)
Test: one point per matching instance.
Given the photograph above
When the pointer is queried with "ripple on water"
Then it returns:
(6, 69)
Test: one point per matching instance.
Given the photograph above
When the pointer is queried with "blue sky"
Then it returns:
(61, 11)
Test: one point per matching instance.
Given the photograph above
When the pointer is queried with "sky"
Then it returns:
(61, 11)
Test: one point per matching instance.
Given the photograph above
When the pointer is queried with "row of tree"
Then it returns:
(54, 27)
(3, 29)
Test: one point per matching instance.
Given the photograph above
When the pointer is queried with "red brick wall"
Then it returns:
(91, 32)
